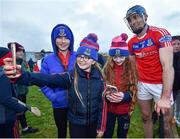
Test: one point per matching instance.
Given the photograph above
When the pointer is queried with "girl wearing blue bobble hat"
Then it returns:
(85, 84)
(119, 72)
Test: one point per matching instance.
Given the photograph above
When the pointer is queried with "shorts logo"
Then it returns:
(166, 38)
(126, 126)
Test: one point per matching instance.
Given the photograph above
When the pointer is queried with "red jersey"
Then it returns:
(146, 51)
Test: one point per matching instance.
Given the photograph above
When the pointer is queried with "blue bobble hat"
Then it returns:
(89, 47)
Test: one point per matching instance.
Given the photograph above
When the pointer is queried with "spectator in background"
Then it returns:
(176, 43)
(176, 64)
(36, 68)
(22, 90)
(31, 64)
(62, 60)
(40, 61)
(176, 85)
(9, 107)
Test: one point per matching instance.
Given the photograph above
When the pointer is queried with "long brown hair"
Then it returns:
(128, 77)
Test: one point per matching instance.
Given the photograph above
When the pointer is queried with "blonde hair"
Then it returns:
(97, 66)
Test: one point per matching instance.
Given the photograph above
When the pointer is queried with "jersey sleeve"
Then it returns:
(163, 38)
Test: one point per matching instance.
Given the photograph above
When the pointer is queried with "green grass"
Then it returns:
(46, 125)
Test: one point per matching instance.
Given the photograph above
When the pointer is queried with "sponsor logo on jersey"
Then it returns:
(144, 54)
(143, 44)
(166, 38)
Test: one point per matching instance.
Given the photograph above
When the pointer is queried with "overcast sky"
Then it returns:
(30, 22)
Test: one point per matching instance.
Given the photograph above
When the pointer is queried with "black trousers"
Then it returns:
(60, 117)
(82, 131)
(22, 118)
(123, 125)
(7, 130)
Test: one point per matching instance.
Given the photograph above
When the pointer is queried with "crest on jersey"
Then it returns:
(62, 33)
(149, 42)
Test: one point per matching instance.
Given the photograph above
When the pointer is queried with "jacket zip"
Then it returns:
(88, 103)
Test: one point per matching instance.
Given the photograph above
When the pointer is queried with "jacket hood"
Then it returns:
(62, 29)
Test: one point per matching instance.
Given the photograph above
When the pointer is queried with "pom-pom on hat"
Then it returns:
(89, 47)
(4, 53)
(18, 46)
(119, 46)
(91, 41)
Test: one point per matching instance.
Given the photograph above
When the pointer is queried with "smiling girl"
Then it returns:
(61, 60)
(85, 84)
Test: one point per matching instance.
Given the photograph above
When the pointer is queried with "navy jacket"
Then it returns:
(176, 64)
(91, 90)
(8, 106)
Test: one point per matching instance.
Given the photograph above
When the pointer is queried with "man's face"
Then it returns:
(176, 45)
(20, 54)
(136, 23)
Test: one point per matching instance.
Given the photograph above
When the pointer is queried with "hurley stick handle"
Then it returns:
(13, 50)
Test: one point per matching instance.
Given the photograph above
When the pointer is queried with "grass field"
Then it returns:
(46, 125)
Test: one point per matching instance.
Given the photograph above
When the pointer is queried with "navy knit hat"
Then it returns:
(89, 47)
(18, 46)
(4, 53)
(119, 46)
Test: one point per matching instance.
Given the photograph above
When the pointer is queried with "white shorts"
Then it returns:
(148, 91)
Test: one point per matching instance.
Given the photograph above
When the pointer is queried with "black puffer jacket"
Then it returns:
(176, 65)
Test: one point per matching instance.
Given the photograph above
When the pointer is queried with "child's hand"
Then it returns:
(115, 97)
(9, 69)
(36, 111)
(100, 134)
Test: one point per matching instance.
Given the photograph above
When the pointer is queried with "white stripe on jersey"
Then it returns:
(163, 32)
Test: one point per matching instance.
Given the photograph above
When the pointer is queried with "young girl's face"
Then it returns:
(119, 60)
(62, 43)
(84, 62)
